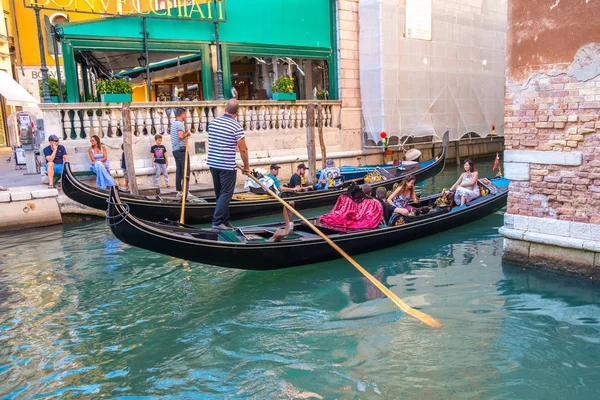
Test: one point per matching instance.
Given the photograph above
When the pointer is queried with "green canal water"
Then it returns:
(85, 316)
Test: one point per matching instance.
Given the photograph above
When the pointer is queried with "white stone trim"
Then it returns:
(544, 157)
(516, 171)
(43, 193)
(20, 196)
(552, 240)
(575, 235)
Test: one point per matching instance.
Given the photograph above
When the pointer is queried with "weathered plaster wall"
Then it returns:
(546, 34)
(552, 132)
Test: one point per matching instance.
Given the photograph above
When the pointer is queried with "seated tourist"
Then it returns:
(466, 186)
(56, 156)
(296, 179)
(100, 166)
(329, 177)
(354, 210)
(404, 193)
(273, 172)
(388, 209)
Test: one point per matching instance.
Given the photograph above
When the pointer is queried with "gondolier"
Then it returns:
(225, 134)
(178, 141)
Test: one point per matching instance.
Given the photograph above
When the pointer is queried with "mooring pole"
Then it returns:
(127, 148)
(457, 152)
(310, 143)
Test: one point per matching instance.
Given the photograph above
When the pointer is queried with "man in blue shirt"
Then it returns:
(273, 172)
(56, 156)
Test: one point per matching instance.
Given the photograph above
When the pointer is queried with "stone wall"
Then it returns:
(552, 135)
(349, 77)
(28, 207)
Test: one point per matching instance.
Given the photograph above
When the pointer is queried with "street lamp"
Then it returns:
(220, 95)
(142, 61)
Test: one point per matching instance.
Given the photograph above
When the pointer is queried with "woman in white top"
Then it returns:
(466, 186)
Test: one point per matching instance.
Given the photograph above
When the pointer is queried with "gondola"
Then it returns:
(152, 209)
(357, 172)
(249, 247)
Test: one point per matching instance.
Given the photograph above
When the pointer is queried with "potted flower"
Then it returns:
(53, 86)
(283, 89)
(117, 90)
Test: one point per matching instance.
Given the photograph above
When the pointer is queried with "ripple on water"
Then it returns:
(83, 315)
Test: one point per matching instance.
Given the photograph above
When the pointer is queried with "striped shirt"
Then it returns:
(223, 134)
(176, 141)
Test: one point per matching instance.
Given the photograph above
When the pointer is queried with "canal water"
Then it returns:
(85, 316)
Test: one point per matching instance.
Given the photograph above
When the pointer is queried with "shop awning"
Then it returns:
(164, 64)
(14, 93)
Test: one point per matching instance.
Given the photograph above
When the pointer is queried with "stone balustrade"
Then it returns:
(82, 120)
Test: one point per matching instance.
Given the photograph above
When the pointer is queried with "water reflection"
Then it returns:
(83, 315)
(551, 335)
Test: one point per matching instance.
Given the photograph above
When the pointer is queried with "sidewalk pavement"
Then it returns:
(11, 177)
(17, 180)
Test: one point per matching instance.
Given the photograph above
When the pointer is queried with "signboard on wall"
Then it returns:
(198, 10)
(418, 19)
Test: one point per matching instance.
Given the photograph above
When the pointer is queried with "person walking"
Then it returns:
(225, 134)
(178, 141)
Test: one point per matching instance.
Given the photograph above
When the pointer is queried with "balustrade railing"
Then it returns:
(82, 120)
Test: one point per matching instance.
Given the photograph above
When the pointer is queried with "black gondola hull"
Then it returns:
(197, 213)
(270, 256)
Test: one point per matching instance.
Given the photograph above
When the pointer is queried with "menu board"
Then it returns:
(418, 19)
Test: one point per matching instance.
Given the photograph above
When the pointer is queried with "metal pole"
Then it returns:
(220, 95)
(58, 78)
(148, 83)
(43, 66)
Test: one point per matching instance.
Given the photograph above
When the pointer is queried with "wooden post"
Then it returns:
(321, 138)
(310, 143)
(127, 143)
(457, 152)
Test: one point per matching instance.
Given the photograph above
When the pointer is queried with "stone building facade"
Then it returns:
(552, 135)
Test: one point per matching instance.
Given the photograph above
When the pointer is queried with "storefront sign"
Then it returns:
(30, 78)
(418, 19)
(202, 10)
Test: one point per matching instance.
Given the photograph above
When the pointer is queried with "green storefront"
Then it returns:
(259, 41)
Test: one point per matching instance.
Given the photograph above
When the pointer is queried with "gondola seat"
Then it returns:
(479, 199)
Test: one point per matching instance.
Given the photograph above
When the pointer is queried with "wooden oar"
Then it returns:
(185, 182)
(405, 307)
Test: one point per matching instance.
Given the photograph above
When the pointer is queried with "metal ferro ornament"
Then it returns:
(198, 10)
